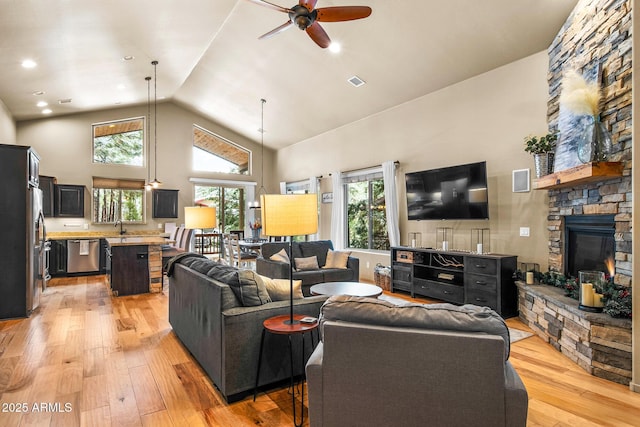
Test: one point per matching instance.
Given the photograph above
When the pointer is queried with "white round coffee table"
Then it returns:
(355, 289)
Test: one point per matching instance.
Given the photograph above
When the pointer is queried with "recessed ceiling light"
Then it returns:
(42, 104)
(38, 92)
(356, 81)
(64, 101)
(47, 111)
(335, 47)
(29, 63)
(128, 58)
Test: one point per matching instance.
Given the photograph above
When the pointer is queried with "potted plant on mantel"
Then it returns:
(543, 149)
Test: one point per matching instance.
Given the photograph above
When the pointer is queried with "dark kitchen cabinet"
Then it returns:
(47, 185)
(104, 250)
(69, 201)
(165, 203)
(129, 269)
(58, 258)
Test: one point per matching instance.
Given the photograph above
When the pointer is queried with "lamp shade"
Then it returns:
(289, 214)
(199, 217)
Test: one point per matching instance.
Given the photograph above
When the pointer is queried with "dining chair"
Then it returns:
(238, 257)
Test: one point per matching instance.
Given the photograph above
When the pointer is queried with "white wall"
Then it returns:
(7, 126)
(483, 118)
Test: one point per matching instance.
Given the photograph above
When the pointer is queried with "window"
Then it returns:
(366, 214)
(120, 142)
(213, 153)
(118, 199)
(228, 202)
(300, 187)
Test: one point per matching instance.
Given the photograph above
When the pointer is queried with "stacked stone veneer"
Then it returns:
(597, 32)
(155, 268)
(598, 343)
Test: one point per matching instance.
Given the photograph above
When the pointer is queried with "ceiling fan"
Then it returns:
(306, 17)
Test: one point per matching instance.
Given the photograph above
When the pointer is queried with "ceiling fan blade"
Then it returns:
(309, 4)
(318, 35)
(277, 30)
(271, 6)
(342, 13)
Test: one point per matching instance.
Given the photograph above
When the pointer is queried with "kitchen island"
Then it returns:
(134, 264)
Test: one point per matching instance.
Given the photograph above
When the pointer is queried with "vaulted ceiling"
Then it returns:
(211, 61)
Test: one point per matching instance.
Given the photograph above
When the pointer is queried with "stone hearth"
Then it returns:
(598, 343)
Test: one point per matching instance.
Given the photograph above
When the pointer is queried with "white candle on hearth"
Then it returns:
(586, 294)
(529, 277)
(445, 245)
(479, 248)
(413, 243)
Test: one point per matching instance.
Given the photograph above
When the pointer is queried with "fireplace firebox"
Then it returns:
(589, 240)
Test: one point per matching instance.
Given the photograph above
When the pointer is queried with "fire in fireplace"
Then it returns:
(588, 241)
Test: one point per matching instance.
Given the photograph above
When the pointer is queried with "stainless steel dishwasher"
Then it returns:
(83, 256)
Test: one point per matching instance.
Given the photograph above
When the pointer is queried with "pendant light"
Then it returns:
(147, 183)
(155, 183)
(256, 203)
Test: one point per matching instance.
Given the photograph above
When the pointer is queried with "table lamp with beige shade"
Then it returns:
(288, 215)
(200, 217)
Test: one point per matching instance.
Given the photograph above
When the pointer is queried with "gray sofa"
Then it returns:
(318, 248)
(412, 365)
(221, 333)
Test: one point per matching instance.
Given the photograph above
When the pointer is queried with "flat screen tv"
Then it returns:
(454, 192)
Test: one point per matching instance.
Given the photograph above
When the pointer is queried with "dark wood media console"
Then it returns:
(457, 277)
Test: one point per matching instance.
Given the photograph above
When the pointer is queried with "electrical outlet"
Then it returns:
(525, 232)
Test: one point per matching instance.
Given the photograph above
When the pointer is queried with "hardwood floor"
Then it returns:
(87, 359)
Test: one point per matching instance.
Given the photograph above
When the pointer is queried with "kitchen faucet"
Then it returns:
(121, 230)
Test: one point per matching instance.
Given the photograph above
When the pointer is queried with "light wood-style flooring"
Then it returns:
(87, 359)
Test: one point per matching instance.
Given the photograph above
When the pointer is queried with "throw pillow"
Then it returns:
(310, 263)
(281, 256)
(278, 289)
(337, 259)
(246, 285)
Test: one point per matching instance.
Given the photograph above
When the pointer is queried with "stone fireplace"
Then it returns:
(590, 221)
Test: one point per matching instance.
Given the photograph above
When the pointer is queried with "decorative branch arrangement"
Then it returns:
(444, 261)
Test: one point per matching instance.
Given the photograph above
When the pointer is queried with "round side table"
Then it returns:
(281, 325)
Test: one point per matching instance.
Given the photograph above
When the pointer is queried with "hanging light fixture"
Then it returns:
(256, 203)
(147, 183)
(155, 183)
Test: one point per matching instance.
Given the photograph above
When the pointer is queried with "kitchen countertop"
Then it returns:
(64, 235)
(132, 240)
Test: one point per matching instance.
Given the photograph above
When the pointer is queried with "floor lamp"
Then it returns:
(288, 215)
(200, 217)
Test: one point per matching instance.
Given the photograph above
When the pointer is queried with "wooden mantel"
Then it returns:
(589, 172)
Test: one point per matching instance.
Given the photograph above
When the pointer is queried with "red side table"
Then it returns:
(280, 325)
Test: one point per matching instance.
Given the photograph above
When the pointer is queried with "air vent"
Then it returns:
(64, 101)
(356, 81)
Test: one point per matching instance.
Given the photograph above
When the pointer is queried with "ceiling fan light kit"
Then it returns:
(307, 18)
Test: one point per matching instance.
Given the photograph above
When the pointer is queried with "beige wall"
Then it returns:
(483, 118)
(64, 144)
(7, 126)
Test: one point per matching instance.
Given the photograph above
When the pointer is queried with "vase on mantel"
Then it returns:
(594, 144)
(543, 163)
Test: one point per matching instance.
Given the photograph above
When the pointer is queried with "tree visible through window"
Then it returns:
(115, 200)
(228, 202)
(366, 215)
(120, 142)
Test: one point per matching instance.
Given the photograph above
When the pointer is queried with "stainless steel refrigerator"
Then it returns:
(23, 234)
